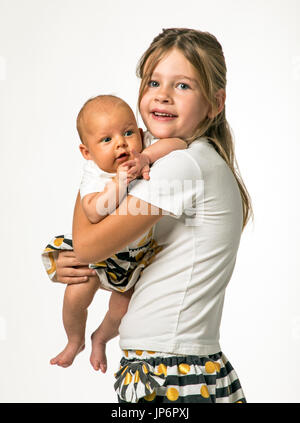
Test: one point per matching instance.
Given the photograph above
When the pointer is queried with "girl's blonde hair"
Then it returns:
(205, 53)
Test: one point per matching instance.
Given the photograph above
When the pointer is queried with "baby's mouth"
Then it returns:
(122, 157)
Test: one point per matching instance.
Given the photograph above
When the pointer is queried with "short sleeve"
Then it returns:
(93, 179)
(148, 139)
(175, 184)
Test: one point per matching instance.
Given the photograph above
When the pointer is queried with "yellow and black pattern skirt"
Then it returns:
(148, 376)
(119, 272)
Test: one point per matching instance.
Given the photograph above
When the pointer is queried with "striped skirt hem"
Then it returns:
(148, 376)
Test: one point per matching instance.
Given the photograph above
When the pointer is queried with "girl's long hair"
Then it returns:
(205, 53)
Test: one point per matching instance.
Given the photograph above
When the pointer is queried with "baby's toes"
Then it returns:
(95, 363)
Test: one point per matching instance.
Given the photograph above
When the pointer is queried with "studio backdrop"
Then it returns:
(54, 55)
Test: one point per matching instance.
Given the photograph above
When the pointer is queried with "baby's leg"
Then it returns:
(109, 328)
(76, 301)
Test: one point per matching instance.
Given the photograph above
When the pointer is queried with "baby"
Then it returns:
(116, 154)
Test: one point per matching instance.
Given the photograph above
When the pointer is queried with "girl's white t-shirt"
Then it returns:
(177, 303)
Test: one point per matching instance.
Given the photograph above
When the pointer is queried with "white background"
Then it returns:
(54, 55)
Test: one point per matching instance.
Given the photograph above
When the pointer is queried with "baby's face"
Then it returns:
(111, 135)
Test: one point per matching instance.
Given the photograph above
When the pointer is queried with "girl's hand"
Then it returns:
(139, 166)
(69, 270)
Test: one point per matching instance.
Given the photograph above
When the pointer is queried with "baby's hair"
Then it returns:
(205, 53)
(102, 101)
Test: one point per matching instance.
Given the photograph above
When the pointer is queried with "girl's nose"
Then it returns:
(162, 95)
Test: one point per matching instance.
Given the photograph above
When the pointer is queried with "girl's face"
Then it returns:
(172, 105)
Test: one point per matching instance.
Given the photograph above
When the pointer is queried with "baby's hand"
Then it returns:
(139, 166)
(123, 175)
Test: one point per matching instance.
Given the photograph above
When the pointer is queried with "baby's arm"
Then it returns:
(97, 205)
(152, 153)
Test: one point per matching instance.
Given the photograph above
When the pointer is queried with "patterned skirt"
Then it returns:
(119, 272)
(148, 376)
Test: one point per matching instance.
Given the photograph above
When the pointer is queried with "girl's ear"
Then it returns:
(84, 151)
(220, 97)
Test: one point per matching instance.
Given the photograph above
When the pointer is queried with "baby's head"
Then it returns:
(108, 131)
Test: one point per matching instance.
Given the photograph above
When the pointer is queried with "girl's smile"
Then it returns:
(162, 115)
(173, 104)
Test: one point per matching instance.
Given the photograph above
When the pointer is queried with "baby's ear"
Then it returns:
(84, 151)
(142, 134)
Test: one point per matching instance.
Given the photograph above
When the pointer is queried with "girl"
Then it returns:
(170, 333)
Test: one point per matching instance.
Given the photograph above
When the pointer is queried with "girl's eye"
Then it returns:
(183, 86)
(106, 139)
(128, 133)
(153, 84)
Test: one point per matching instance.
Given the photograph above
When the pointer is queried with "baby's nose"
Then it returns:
(121, 141)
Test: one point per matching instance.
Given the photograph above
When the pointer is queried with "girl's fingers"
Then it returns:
(68, 258)
(73, 280)
(69, 262)
(69, 270)
(74, 262)
(71, 277)
(87, 270)
(66, 253)
(76, 272)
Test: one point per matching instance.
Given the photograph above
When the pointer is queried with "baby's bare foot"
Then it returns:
(98, 356)
(66, 357)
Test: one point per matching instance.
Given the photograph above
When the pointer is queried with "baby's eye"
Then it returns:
(183, 86)
(128, 133)
(106, 139)
(153, 84)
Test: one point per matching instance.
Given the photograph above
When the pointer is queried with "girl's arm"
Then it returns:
(142, 161)
(163, 147)
(97, 242)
